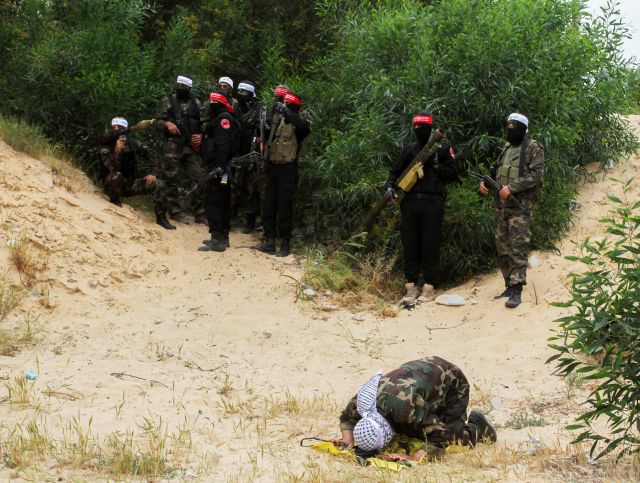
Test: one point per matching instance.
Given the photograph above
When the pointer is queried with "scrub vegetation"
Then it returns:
(362, 68)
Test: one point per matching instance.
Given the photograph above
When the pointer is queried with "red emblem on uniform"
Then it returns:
(225, 123)
(453, 155)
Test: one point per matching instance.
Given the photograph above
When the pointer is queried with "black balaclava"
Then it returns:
(245, 97)
(182, 92)
(422, 126)
(422, 132)
(218, 108)
(515, 132)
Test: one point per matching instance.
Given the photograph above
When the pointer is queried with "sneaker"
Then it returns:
(428, 293)
(412, 293)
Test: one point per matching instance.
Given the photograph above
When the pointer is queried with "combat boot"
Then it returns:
(267, 246)
(161, 219)
(115, 200)
(516, 296)
(214, 245)
(428, 293)
(249, 224)
(412, 293)
(285, 248)
(179, 217)
(481, 429)
(202, 219)
(505, 293)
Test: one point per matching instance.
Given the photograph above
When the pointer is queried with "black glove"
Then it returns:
(390, 193)
(280, 107)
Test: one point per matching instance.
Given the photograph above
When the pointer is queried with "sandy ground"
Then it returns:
(216, 345)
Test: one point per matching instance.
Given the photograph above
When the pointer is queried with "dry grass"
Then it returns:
(368, 282)
(32, 141)
(10, 297)
(148, 453)
(29, 260)
(20, 392)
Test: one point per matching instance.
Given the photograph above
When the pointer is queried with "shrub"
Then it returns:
(469, 63)
(600, 340)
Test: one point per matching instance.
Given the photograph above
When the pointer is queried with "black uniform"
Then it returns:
(422, 211)
(220, 141)
(282, 174)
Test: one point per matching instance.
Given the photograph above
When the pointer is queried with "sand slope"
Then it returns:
(134, 300)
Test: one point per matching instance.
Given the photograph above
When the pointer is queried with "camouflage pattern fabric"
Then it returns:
(426, 398)
(513, 232)
(177, 155)
(117, 186)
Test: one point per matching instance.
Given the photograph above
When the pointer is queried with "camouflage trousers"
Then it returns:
(248, 191)
(177, 156)
(513, 237)
(117, 186)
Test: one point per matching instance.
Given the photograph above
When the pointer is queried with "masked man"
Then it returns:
(222, 133)
(422, 211)
(286, 144)
(179, 120)
(520, 169)
(120, 158)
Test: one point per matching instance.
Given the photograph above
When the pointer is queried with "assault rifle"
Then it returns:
(493, 185)
(408, 177)
(242, 162)
(112, 136)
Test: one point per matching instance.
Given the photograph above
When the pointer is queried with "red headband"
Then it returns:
(216, 97)
(280, 91)
(290, 98)
(422, 119)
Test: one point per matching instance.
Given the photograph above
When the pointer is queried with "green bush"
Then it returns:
(470, 63)
(600, 340)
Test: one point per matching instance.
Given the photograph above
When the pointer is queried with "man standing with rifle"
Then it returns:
(179, 119)
(288, 137)
(422, 207)
(520, 169)
(222, 135)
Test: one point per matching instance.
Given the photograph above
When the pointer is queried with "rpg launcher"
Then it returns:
(408, 177)
(112, 136)
(493, 185)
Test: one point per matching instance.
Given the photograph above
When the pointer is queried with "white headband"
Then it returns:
(120, 121)
(226, 80)
(247, 87)
(518, 117)
(185, 81)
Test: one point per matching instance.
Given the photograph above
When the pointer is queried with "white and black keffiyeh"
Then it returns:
(373, 432)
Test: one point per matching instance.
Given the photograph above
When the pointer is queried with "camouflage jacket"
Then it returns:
(525, 188)
(126, 162)
(418, 396)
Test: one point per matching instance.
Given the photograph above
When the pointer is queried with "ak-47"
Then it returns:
(113, 136)
(408, 177)
(493, 185)
(263, 121)
(242, 162)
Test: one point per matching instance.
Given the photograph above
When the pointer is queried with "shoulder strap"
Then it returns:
(523, 155)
